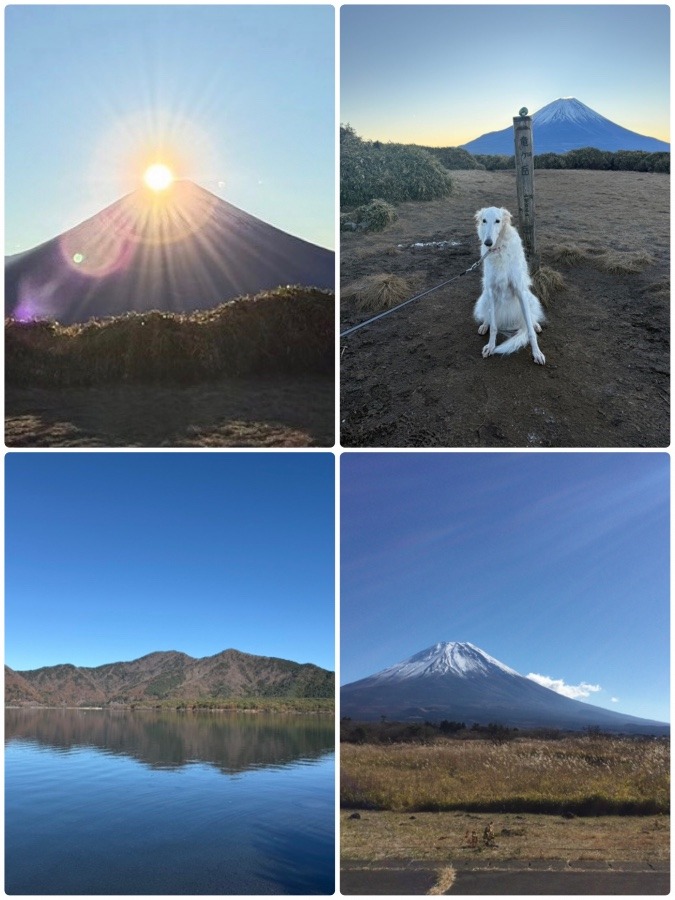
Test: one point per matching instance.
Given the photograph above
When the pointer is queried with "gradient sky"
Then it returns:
(444, 75)
(110, 556)
(241, 96)
(555, 564)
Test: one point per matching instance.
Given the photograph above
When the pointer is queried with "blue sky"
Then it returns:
(555, 564)
(443, 75)
(110, 556)
(242, 98)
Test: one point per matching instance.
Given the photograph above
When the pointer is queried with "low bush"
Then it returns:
(373, 216)
(390, 172)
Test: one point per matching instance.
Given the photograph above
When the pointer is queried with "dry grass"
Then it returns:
(289, 330)
(446, 879)
(585, 775)
(546, 283)
(278, 411)
(614, 262)
(379, 836)
(377, 292)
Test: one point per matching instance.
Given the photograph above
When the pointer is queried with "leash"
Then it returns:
(416, 297)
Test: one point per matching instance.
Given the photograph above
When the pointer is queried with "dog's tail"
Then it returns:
(515, 342)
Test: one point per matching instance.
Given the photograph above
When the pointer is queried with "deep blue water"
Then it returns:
(144, 802)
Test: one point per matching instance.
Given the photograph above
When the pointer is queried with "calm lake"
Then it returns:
(168, 802)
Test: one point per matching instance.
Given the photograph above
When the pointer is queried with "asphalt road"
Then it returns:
(542, 877)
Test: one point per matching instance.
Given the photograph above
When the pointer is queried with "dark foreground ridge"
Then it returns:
(169, 676)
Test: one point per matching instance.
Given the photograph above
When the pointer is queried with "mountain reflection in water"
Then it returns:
(168, 739)
(157, 802)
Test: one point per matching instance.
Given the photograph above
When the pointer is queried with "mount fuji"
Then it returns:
(462, 683)
(180, 250)
(568, 124)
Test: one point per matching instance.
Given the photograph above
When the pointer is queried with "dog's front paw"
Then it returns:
(483, 328)
(539, 357)
(488, 350)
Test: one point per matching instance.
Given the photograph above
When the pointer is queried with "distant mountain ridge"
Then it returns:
(168, 675)
(180, 251)
(567, 124)
(460, 682)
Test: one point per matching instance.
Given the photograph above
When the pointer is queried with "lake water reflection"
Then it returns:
(168, 802)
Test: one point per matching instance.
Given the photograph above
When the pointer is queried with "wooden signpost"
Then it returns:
(522, 134)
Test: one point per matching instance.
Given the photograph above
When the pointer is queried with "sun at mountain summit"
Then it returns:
(158, 177)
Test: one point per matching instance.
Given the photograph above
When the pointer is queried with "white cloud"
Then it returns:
(574, 691)
(615, 699)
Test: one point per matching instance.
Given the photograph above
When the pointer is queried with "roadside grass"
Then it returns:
(440, 837)
(586, 775)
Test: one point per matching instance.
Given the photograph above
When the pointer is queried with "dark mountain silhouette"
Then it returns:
(567, 124)
(178, 250)
(460, 682)
(168, 676)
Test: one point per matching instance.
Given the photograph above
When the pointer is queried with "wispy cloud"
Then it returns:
(574, 691)
(615, 699)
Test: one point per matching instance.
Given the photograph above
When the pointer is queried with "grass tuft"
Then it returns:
(546, 283)
(615, 263)
(378, 292)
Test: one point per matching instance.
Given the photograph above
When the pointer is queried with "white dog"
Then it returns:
(507, 304)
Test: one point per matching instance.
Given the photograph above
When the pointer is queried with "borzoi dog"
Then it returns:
(507, 304)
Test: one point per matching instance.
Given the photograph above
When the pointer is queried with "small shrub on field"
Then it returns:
(289, 330)
(373, 216)
(391, 172)
(377, 292)
(454, 158)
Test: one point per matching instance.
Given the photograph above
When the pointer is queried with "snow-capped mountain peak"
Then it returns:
(568, 124)
(567, 110)
(446, 658)
(460, 682)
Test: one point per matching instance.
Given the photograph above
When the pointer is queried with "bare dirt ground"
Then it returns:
(416, 378)
(284, 412)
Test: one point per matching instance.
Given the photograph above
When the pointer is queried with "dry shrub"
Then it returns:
(378, 292)
(615, 263)
(568, 254)
(546, 283)
(289, 330)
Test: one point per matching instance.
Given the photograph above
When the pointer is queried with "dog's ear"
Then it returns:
(506, 216)
(479, 216)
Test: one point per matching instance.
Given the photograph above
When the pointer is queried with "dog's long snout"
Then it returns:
(488, 242)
